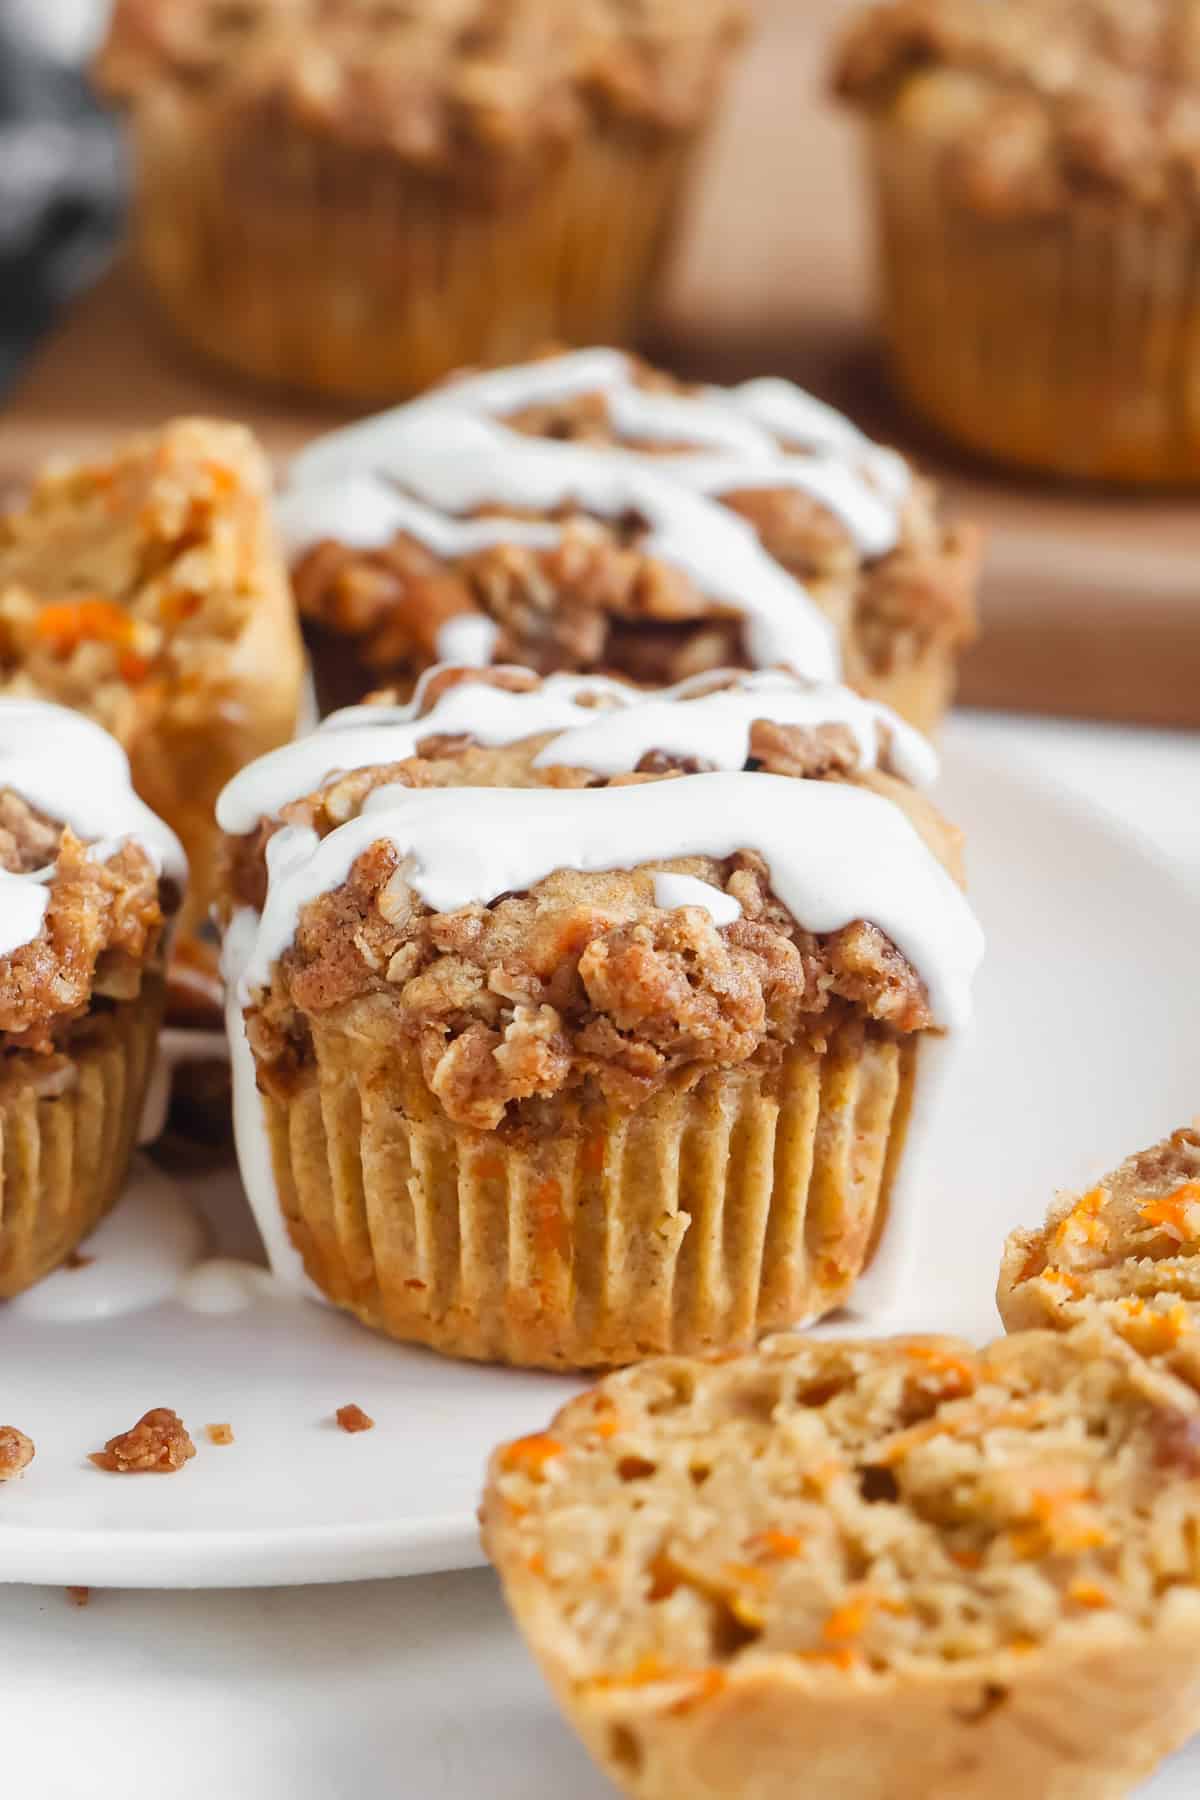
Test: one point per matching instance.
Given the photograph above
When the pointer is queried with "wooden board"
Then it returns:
(1091, 602)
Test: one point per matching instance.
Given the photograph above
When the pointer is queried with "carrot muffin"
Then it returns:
(356, 198)
(603, 569)
(146, 589)
(1130, 1246)
(581, 1023)
(1037, 178)
(891, 1570)
(88, 878)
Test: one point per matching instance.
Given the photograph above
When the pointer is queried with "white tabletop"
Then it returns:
(401, 1690)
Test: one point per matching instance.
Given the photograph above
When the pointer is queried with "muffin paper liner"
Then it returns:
(702, 1219)
(1068, 344)
(322, 266)
(66, 1141)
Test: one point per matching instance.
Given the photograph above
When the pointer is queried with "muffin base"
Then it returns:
(708, 1216)
(1069, 345)
(65, 1154)
(342, 271)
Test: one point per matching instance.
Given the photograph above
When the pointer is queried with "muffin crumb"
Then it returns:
(219, 1434)
(157, 1445)
(79, 1596)
(16, 1452)
(78, 1260)
(352, 1418)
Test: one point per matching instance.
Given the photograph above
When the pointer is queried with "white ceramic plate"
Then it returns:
(1084, 1049)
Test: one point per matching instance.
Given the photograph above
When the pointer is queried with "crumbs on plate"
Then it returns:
(353, 1418)
(157, 1445)
(16, 1452)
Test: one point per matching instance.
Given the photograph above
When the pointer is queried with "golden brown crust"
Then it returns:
(476, 90)
(1039, 106)
(158, 1444)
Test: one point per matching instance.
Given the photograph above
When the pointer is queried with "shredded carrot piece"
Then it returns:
(550, 1226)
(529, 1455)
(1171, 1211)
(1089, 1593)
(967, 1559)
(708, 1683)
(1063, 1278)
(536, 1564)
(132, 667)
(849, 1620)
(1082, 1224)
(65, 624)
(745, 1572)
(842, 1658)
(782, 1545)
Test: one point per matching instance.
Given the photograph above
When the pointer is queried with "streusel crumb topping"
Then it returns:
(1037, 104)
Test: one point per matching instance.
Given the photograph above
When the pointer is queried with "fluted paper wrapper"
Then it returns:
(324, 266)
(1069, 344)
(66, 1140)
(696, 1222)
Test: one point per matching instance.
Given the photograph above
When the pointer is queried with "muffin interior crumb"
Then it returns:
(352, 1418)
(219, 1434)
(868, 1507)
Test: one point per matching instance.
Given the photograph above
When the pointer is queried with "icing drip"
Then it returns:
(69, 768)
(468, 639)
(249, 1122)
(836, 853)
(671, 891)
(609, 739)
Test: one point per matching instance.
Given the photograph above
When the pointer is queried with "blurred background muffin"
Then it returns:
(355, 196)
(1037, 178)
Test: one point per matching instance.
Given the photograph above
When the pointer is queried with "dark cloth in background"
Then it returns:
(61, 183)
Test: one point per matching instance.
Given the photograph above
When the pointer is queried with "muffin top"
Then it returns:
(542, 884)
(86, 872)
(1037, 104)
(438, 82)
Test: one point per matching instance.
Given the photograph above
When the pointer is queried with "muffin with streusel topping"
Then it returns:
(572, 1023)
(629, 539)
(1037, 177)
(146, 589)
(88, 880)
(354, 197)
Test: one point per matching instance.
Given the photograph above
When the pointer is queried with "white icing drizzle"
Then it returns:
(249, 1123)
(836, 853)
(672, 890)
(224, 1284)
(69, 768)
(469, 640)
(610, 739)
(457, 465)
(138, 1254)
(864, 484)
(362, 737)
(715, 727)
